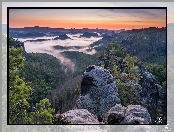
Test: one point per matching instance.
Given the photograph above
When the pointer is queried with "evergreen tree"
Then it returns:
(19, 93)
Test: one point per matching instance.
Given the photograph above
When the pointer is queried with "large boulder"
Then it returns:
(115, 115)
(136, 114)
(132, 114)
(98, 91)
(81, 116)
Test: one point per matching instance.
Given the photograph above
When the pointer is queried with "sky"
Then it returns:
(89, 18)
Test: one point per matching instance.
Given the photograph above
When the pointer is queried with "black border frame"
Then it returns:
(8, 8)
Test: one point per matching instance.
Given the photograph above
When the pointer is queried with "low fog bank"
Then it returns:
(76, 43)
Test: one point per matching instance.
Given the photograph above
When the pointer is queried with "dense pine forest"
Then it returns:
(39, 85)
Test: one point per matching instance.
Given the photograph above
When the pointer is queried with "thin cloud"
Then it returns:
(151, 13)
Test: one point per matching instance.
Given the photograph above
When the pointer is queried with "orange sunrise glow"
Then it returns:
(112, 19)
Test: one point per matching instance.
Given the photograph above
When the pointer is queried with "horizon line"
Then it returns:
(133, 27)
(167, 23)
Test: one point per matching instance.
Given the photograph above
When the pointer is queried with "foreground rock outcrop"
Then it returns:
(98, 91)
(132, 114)
(81, 116)
(142, 91)
(152, 95)
(99, 102)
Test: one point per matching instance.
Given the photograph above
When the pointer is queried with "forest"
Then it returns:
(39, 86)
(148, 44)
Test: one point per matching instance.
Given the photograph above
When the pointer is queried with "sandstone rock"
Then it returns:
(152, 95)
(81, 116)
(161, 92)
(98, 91)
(132, 114)
(136, 114)
(115, 115)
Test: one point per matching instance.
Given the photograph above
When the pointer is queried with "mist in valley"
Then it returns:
(47, 46)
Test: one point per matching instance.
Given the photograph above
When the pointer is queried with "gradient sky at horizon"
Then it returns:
(88, 18)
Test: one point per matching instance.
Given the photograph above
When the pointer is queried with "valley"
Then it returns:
(57, 61)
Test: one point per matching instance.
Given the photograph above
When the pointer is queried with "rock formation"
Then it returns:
(115, 115)
(81, 116)
(152, 95)
(99, 100)
(98, 91)
(132, 114)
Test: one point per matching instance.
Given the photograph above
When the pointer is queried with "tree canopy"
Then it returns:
(20, 110)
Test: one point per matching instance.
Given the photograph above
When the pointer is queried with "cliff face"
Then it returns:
(98, 91)
(152, 95)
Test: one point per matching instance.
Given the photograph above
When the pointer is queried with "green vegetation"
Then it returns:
(160, 73)
(100, 45)
(19, 91)
(81, 60)
(65, 97)
(149, 45)
(45, 73)
(38, 82)
(19, 94)
(20, 109)
(50, 80)
(122, 93)
(115, 49)
(122, 67)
